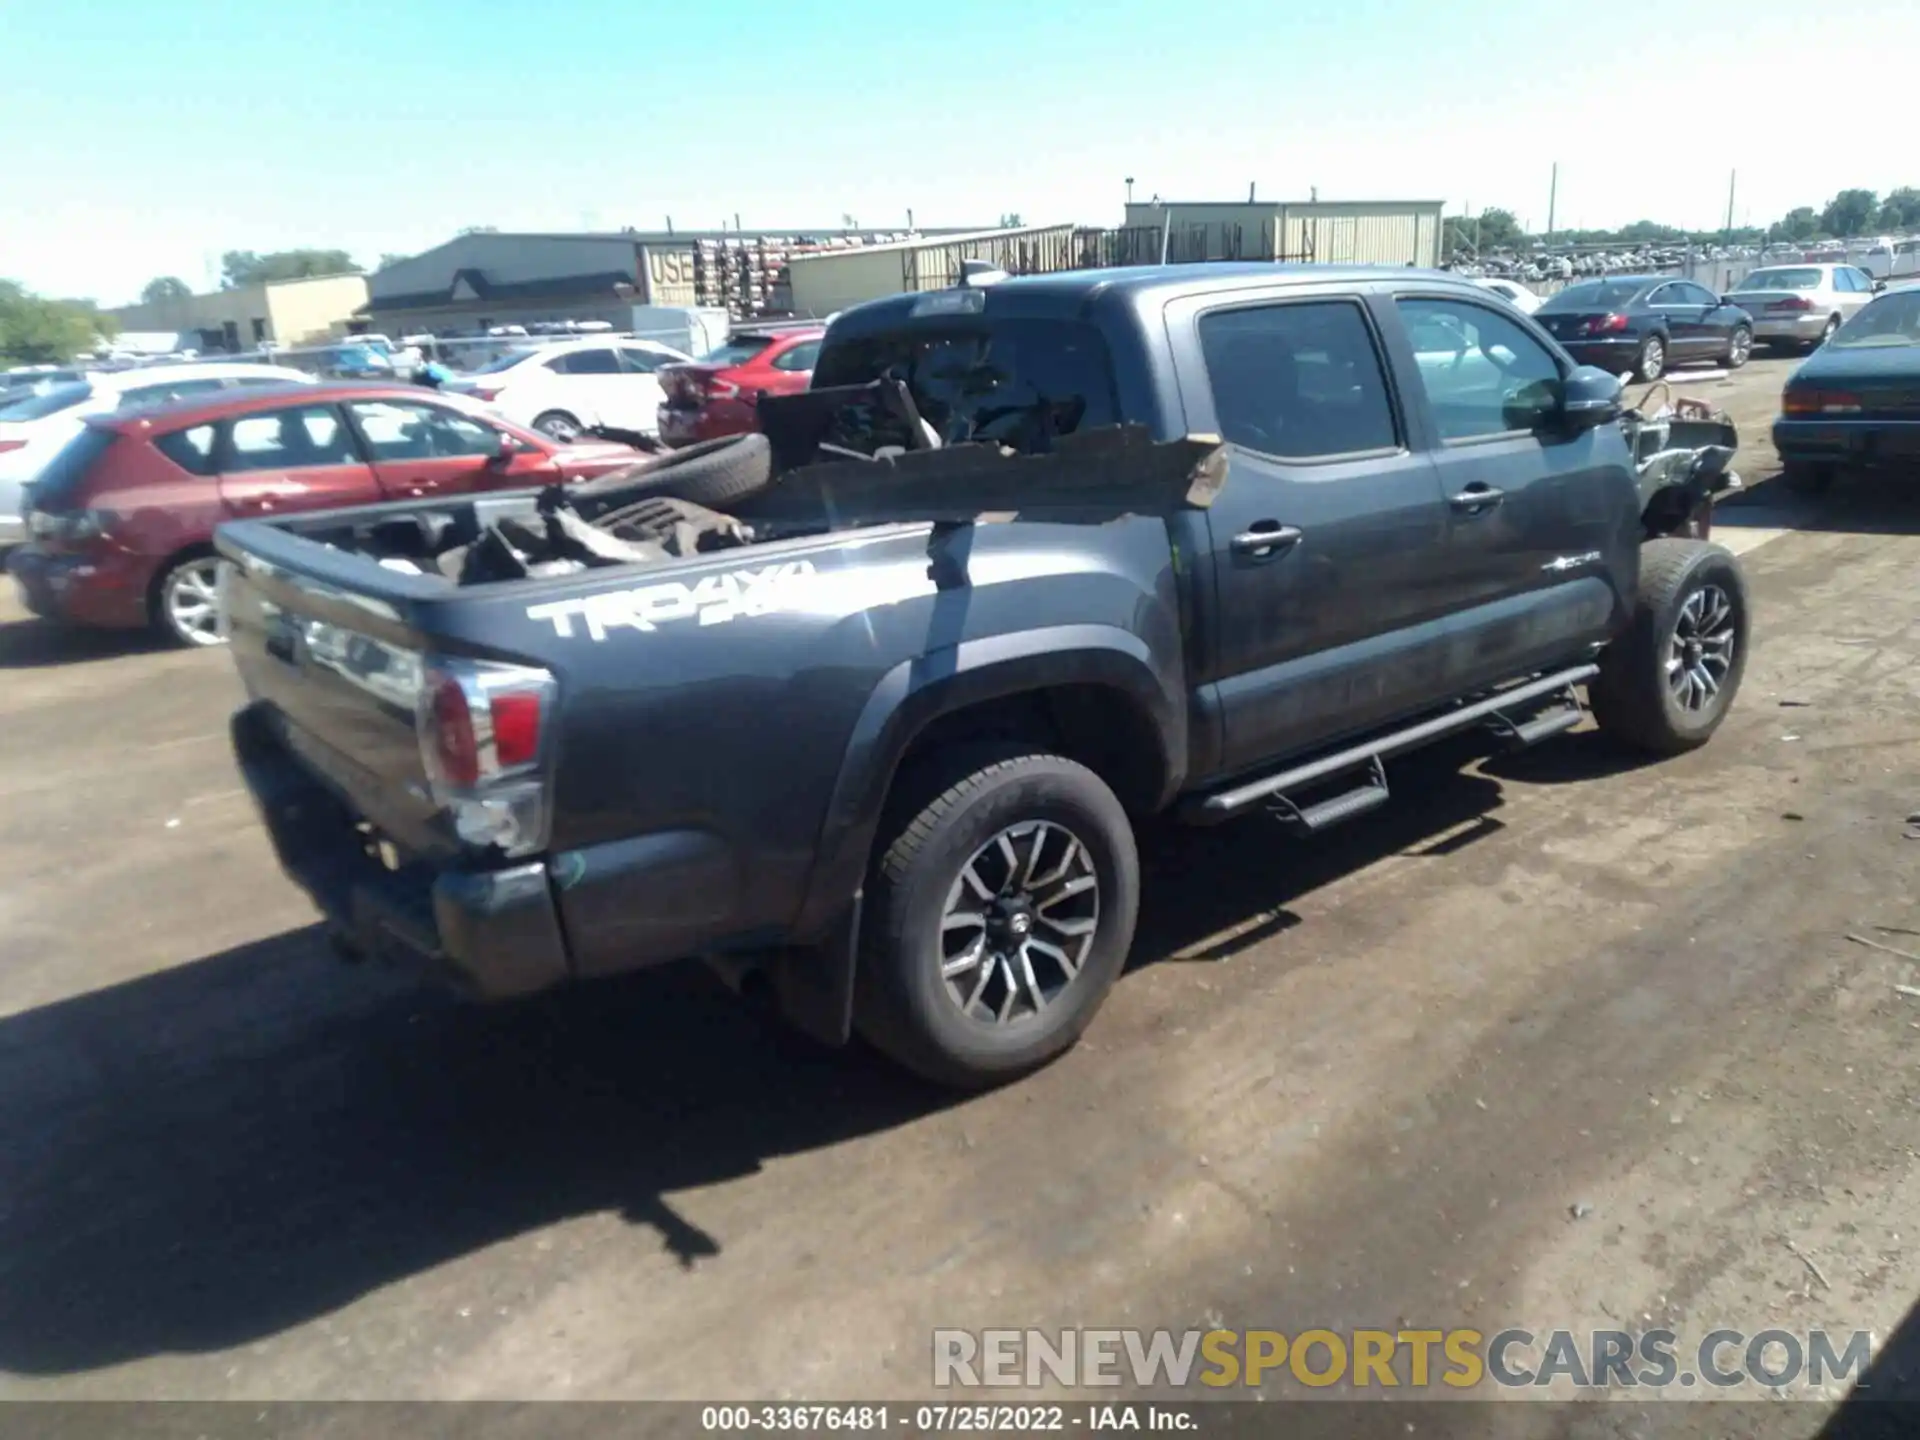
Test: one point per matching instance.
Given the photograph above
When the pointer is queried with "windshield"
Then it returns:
(1596, 295)
(50, 402)
(737, 351)
(1017, 382)
(1802, 278)
(1891, 320)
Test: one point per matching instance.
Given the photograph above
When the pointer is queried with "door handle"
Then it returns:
(1265, 539)
(1476, 499)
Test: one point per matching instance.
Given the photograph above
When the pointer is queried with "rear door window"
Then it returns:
(587, 362)
(1301, 381)
(1013, 382)
(299, 437)
(47, 402)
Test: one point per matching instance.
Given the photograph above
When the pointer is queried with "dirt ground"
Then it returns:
(1554, 1041)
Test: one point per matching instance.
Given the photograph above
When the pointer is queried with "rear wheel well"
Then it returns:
(166, 567)
(1100, 726)
(1673, 512)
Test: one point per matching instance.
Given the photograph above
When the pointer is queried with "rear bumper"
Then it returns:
(492, 933)
(1808, 327)
(105, 590)
(1851, 444)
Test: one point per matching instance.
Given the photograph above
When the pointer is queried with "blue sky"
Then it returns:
(144, 137)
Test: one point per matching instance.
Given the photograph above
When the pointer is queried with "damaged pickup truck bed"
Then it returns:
(865, 708)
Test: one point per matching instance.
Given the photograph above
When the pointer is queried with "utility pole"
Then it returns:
(1732, 175)
(1129, 189)
(1553, 195)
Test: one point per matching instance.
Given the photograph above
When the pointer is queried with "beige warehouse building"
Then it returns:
(1326, 232)
(281, 312)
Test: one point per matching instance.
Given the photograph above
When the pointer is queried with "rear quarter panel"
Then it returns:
(764, 696)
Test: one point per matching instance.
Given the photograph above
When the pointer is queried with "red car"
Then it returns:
(120, 523)
(717, 396)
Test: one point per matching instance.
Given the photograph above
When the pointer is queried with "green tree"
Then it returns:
(389, 258)
(244, 267)
(38, 331)
(1497, 228)
(1797, 224)
(1900, 210)
(164, 287)
(1849, 212)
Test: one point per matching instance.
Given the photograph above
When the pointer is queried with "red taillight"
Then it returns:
(482, 721)
(1796, 302)
(516, 728)
(1820, 402)
(1607, 325)
(486, 393)
(6, 445)
(481, 728)
(718, 389)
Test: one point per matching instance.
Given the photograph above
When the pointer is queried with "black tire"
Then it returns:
(714, 473)
(949, 817)
(560, 425)
(1739, 347)
(1651, 363)
(1805, 479)
(1833, 324)
(1634, 698)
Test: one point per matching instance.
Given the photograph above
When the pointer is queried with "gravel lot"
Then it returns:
(1355, 1083)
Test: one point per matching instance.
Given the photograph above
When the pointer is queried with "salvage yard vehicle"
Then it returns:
(717, 395)
(1205, 540)
(1854, 405)
(562, 389)
(34, 427)
(1641, 324)
(1800, 306)
(120, 523)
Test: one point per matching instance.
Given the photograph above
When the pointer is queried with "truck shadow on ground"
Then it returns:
(32, 644)
(1885, 1402)
(1857, 505)
(208, 1155)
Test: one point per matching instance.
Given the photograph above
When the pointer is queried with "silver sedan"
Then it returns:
(1800, 306)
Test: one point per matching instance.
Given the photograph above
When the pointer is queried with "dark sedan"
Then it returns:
(1645, 323)
(1854, 405)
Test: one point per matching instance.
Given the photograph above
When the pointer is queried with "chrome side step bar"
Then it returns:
(1496, 709)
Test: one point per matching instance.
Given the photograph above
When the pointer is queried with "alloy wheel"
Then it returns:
(1019, 923)
(1740, 347)
(190, 600)
(1701, 651)
(1653, 359)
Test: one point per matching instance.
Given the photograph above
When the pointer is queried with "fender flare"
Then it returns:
(918, 692)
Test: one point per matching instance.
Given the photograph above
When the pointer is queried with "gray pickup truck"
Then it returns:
(1038, 559)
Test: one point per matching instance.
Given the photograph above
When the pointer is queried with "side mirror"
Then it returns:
(1878, 286)
(505, 450)
(1589, 397)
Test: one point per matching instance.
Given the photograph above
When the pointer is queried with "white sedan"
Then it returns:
(1515, 294)
(561, 389)
(34, 428)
